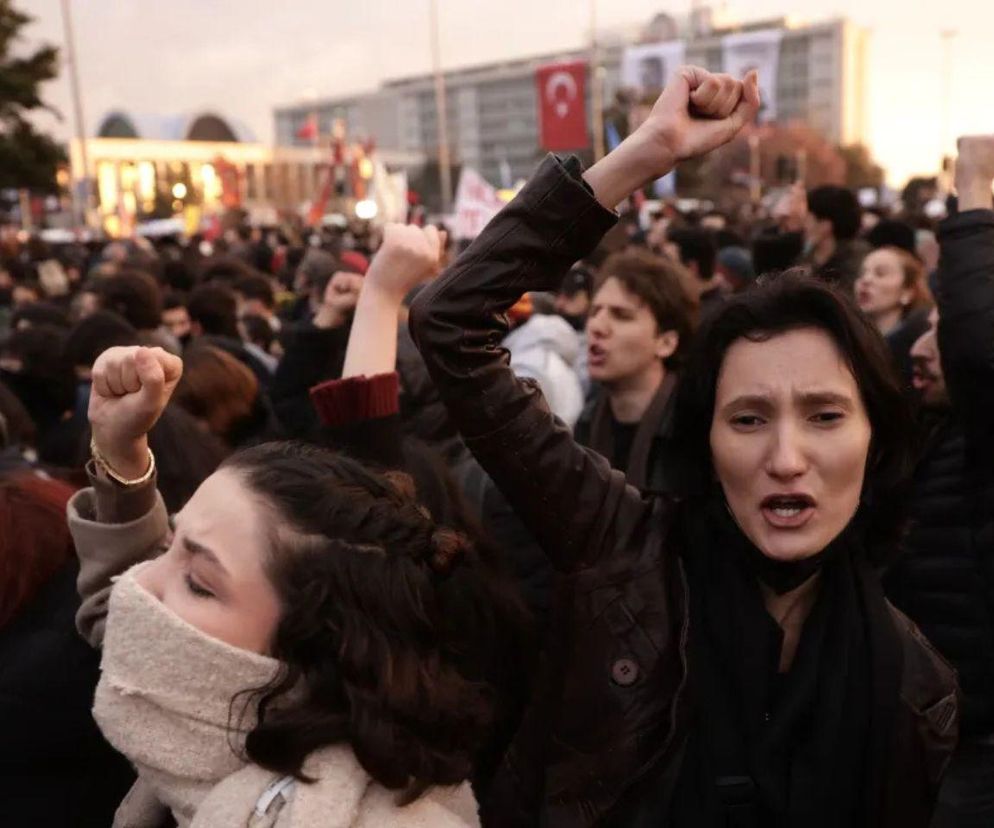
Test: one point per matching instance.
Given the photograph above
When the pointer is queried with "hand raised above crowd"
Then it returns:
(409, 256)
(975, 172)
(131, 388)
(697, 112)
(339, 300)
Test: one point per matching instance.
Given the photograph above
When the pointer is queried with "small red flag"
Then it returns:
(562, 105)
(309, 131)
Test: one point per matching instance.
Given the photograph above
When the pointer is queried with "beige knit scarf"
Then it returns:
(165, 697)
(163, 701)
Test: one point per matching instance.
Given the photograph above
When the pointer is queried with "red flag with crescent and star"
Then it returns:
(562, 105)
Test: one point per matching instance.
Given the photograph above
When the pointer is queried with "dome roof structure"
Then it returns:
(200, 126)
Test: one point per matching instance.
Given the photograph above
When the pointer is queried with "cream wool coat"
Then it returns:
(344, 795)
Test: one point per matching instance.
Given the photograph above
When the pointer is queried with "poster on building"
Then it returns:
(648, 67)
(744, 51)
(476, 203)
(562, 105)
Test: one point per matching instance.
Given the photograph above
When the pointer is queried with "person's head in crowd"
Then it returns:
(573, 299)
(872, 216)
(93, 335)
(256, 296)
(186, 454)
(226, 270)
(892, 233)
(177, 275)
(17, 430)
(790, 411)
(697, 252)
(39, 313)
(773, 252)
(176, 317)
(315, 271)
(258, 331)
(219, 391)
(213, 310)
(291, 263)
(85, 302)
(26, 292)
(733, 267)
(33, 365)
(393, 635)
(928, 378)
(727, 238)
(34, 538)
(890, 286)
(833, 217)
(640, 321)
(134, 296)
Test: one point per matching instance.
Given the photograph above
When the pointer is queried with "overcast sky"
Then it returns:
(244, 57)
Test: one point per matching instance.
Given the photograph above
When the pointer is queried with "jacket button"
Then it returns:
(625, 672)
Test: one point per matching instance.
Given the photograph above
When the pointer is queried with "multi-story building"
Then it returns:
(146, 167)
(493, 109)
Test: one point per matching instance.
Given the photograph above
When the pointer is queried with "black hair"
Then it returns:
(133, 295)
(40, 313)
(225, 269)
(777, 304)
(773, 252)
(94, 334)
(696, 246)
(174, 299)
(256, 287)
(215, 308)
(258, 331)
(395, 637)
(839, 206)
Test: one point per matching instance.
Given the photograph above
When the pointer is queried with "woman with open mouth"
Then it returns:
(725, 657)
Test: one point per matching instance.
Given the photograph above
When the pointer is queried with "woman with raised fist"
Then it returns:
(305, 646)
(724, 658)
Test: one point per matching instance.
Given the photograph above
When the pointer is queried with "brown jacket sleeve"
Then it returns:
(568, 496)
(113, 529)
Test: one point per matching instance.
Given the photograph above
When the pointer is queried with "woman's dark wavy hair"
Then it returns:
(787, 301)
(396, 637)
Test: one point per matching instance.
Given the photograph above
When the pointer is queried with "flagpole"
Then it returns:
(83, 209)
(597, 90)
(442, 122)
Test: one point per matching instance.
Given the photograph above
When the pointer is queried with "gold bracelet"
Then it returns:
(101, 461)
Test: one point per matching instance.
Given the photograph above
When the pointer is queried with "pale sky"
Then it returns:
(242, 58)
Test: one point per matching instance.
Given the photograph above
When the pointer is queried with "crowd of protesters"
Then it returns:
(594, 523)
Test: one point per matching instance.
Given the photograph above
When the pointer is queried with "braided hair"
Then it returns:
(394, 632)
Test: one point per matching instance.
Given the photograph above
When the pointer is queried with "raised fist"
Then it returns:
(340, 298)
(408, 256)
(699, 111)
(131, 387)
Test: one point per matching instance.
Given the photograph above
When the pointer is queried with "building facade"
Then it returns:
(149, 167)
(493, 109)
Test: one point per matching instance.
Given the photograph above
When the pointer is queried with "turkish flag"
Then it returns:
(562, 105)
(309, 131)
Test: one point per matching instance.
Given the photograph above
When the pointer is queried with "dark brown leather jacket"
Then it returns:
(612, 709)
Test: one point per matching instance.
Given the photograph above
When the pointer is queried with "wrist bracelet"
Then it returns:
(101, 461)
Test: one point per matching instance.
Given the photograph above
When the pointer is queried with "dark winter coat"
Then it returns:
(55, 768)
(614, 709)
(945, 581)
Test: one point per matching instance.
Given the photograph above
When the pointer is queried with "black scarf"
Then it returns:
(806, 748)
